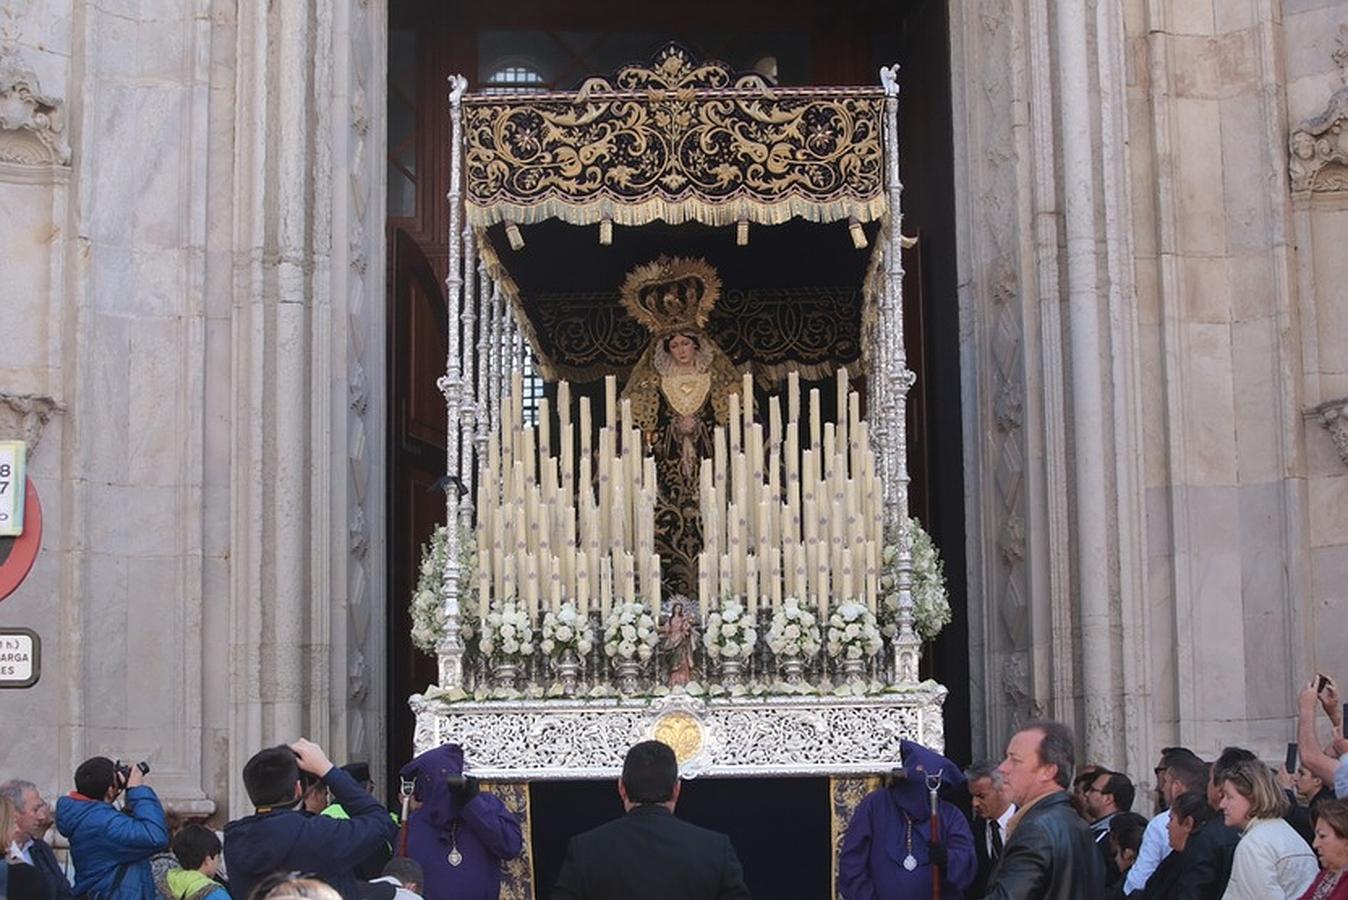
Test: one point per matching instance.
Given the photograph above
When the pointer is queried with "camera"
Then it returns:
(124, 770)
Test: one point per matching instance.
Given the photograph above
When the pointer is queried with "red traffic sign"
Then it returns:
(17, 554)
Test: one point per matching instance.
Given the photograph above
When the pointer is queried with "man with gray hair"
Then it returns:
(1050, 853)
(993, 810)
(34, 820)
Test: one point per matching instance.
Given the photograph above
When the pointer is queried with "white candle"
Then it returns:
(734, 423)
(814, 418)
(793, 396)
(610, 400)
(751, 585)
(544, 428)
(655, 585)
(585, 429)
(775, 575)
(747, 389)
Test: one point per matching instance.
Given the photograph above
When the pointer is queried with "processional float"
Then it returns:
(558, 643)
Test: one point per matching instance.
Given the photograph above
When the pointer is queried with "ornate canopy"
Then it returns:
(675, 141)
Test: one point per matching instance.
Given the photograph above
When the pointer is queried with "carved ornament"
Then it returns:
(1319, 149)
(780, 736)
(1333, 415)
(24, 416)
(32, 124)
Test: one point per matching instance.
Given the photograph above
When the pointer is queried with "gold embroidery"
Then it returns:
(677, 141)
(686, 393)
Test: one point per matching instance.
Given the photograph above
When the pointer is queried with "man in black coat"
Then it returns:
(993, 811)
(649, 853)
(1050, 854)
(282, 838)
(35, 819)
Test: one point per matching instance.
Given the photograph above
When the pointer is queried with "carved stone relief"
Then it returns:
(32, 124)
(24, 416)
(1319, 149)
(1333, 415)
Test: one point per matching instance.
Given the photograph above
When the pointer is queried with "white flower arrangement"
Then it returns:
(730, 632)
(563, 630)
(794, 630)
(427, 608)
(630, 632)
(507, 634)
(931, 602)
(852, 632)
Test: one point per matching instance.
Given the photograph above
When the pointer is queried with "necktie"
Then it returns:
(995, 830)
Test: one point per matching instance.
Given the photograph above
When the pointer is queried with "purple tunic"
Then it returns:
(870, 864)
(483, 830)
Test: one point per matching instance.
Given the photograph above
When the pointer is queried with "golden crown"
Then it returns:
(671, 294)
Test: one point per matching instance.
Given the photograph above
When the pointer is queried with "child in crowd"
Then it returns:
(198, 852)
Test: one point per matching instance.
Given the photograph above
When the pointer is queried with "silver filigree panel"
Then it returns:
(572, 739)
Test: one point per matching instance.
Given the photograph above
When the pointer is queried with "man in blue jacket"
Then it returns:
(111, 848)
(280, 837)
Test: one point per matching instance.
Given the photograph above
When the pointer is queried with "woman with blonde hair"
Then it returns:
(1271, 859)
(1330, 818)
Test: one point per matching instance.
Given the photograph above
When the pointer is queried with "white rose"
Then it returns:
(629, 632)
(644, 652)
(584, 647)
(626, 649)
(510, 647)
(568, 615)
(610, 650)
(564, 633)
(484, 647)
(791, 632)
(507, 631)
(547, 646)
(730, 649)
(852, 631)
(853, 652)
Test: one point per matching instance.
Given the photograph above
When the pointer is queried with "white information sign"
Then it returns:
(13, 455)
(20, 655)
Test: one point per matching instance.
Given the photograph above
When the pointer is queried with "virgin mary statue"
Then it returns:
(680, 389)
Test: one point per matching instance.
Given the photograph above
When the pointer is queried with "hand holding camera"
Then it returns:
(129, 776)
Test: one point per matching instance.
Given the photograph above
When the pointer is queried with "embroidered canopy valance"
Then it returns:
(676, 141)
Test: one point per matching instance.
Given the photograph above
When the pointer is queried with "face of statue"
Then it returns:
(683, 349)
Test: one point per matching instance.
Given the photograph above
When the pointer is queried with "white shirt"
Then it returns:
(1001, 828)
(25, 850)
(1155, 847)
(1271, 861)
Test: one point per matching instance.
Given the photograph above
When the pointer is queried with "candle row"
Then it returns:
(778, 519)
(552, 528)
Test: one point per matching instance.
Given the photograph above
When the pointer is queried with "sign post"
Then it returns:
(13, 458)
(20, 657)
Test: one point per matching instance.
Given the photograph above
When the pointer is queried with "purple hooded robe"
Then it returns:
(870, 864)
(485, 832)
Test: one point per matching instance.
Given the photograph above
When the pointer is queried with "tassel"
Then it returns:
(514, 236)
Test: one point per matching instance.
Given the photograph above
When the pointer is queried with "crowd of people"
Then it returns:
(1233, 828)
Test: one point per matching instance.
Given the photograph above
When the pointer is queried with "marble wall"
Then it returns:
(188, 234)
(1145, 279)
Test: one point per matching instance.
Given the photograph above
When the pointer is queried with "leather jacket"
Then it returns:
(1050, 855)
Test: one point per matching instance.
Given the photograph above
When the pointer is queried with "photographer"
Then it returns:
(111, 848)
(280, 837)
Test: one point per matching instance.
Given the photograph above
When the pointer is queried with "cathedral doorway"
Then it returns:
(535, 45)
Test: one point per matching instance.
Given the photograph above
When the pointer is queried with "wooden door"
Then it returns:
(417, 329)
